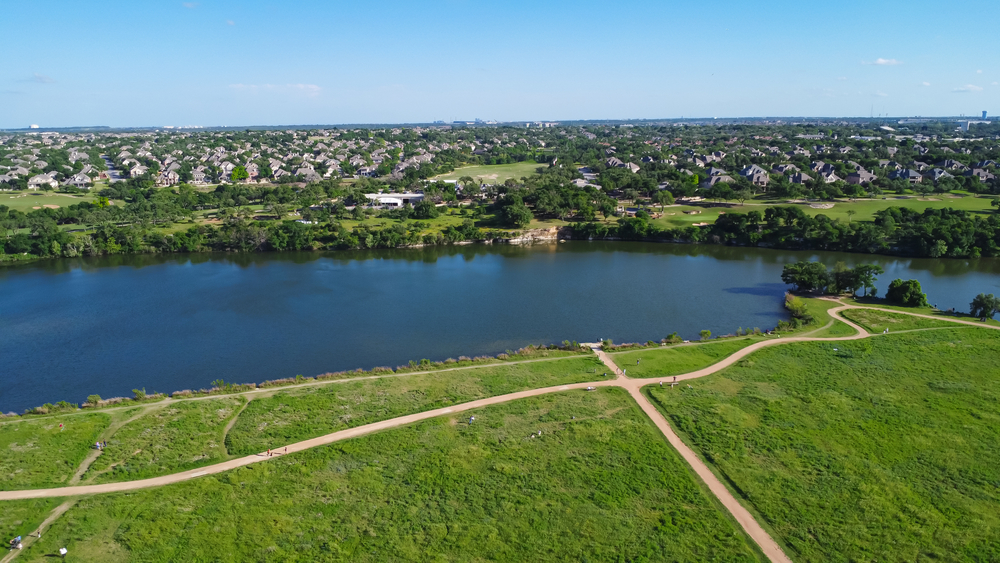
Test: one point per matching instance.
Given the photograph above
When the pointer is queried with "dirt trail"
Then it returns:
(33, 536)
(633, 386)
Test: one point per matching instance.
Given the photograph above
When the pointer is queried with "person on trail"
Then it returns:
(637, 362)
(268, 452)
(286, 449)
(661, 384)
(675, 379)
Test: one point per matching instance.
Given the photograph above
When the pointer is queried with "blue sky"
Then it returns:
(221, 62)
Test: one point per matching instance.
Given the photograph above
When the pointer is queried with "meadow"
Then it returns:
(298, 414)
(26, 202)
(883, 449)
(598, 484)
(22, 517)
(175, 437)
(45, 452)
(493, 173)
(877, 321)
(676, 360)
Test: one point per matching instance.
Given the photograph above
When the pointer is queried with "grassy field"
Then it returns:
(675, 360)
(881, 304)
(176, 437)
(299, 414)
(864, 209)
(493, 174)
(25, 202)
(883, 449)
(599, 484)
(38, 453)
(877, 321)
(22, 517)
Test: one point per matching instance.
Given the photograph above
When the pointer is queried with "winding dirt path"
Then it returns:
(634, 386)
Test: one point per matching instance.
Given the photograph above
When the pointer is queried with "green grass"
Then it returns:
(881, 304)
(603, 486)
(175, 437)
(677, 360)
(820, 311)
(22, 517)
(298, 414)
(877, 321)
(37, 453)
(25, 202)
(883, 450)
(496, 173)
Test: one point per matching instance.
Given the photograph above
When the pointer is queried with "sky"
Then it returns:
(128, 63)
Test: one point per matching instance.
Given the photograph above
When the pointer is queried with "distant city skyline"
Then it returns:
(227, 63)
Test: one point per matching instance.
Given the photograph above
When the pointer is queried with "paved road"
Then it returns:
(633, 386)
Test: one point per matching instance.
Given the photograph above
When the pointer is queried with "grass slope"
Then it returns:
(675, 360)
(173, 438)
(22, 517)
(38, 453)
(883, 450)
(299, 414)
(496, 173)
(877, 321)
(603, 486)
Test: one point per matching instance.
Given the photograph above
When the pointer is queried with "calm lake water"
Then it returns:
(72, 327)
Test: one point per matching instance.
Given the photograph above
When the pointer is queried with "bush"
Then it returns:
(705, 334)
(93, 399)
(906, 293)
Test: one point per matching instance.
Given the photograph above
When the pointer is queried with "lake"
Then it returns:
(73, 327)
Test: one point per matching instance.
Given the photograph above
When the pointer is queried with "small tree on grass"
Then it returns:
(984, 306)
(139, 394)
(906, 293)
(93, 399)
(705, 334)
(238, 174)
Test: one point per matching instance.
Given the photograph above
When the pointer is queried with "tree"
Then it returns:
(514, 213)
(906, 293)
(743, 195)
(705, 334)
(984, 306)
(425, 210)
(850, 215)
(806, 276)
(865, 275)
(238, 174)
(663, 197)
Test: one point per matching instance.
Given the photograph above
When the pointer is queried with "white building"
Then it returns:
(395, 200)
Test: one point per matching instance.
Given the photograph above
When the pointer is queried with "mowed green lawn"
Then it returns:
(37, 453)
(599, 484)
(175, 437)
(493, 174)
(884, 449)
(25, 202)
(299, 414)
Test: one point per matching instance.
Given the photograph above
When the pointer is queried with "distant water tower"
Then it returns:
(984, 114)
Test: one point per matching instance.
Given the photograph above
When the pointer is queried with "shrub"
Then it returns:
(705, 334)
(93, 399)
(906, 293)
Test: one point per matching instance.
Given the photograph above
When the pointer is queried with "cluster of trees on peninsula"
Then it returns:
(816, 278)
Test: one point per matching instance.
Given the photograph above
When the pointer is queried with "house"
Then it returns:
(367, 171)
(167, 178)
(908, 174)
(614, 162)
(80, 180)
(981, 174)
(395, 200)
(799, 178)
(757, 175)
(951, 165)
(632, 167)
(861, 177)
(40, 180)
(198, 177)
(713, 171)
(138, 170)
(308, 173)
(937, 174)
(785, 168)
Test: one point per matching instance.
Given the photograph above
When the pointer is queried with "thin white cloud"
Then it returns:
(310, 90)
(926, 83)
(189, 5)
(881, 94)
(841, 78)
(968, 88)
(38, 78)
(230, 22)
(996, 83)
(883, 62)
(979, 72)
